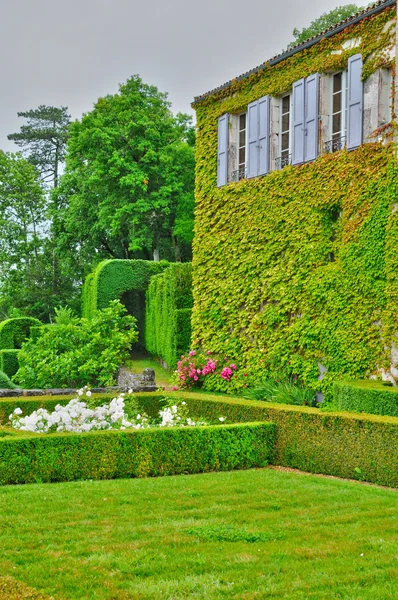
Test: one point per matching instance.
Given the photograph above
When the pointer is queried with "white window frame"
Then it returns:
(338, 143)
(286, 159)
(241, 171)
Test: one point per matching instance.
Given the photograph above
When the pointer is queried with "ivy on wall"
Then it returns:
(298, 268)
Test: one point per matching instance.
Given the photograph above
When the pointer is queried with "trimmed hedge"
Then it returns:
(111, 279)
(13, 332)
(152, 452)
(9, 362)
(168, 313)
(363, 447)
(365, 396)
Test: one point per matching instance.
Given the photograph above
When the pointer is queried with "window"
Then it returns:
(284, 133)
(338, 121)
(241, 154)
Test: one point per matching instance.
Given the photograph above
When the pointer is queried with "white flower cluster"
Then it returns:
(77, 417)
(176, 416)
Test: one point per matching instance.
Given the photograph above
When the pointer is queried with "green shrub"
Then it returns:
(152, 452)
(168, 313)
(85, 352)
(365, 396)
(5, 382)
(9, 362)
(282, 392)
(14, 332)
(125, 280)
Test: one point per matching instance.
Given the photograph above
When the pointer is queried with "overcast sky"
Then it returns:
(72, 52)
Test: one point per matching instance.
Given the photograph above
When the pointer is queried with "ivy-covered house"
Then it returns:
(295, 261)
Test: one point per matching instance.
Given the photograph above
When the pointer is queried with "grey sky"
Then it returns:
(70, 53)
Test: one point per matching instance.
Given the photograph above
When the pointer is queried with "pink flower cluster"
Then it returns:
(227, 372)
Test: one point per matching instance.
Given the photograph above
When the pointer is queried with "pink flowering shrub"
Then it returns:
(193, 369)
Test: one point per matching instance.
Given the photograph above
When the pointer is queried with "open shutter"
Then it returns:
(298, 122)
(222, 165)
(252, 137)
(355, 102)
(263, 135)
(311, 117)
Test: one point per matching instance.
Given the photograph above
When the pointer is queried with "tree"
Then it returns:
(323, 22)
(43, 139)
(127, 190)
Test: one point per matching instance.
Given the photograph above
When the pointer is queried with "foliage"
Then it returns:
(323, 22)
(112, 454)
(14, 332)
(282, 392)
(365, 396)
(79, 353)
(120, 279)
(168, 313)
(363, 447)
(127, 191)
(64, 315)
(5, 381)
(196, 368)
(9, 362)
(297, 269)
(43, 139)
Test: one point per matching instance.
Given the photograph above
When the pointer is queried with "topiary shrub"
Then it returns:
(168, 313)
(125, 280)
(13, 332)
(9, 362)
(5, 382)
(83, 352)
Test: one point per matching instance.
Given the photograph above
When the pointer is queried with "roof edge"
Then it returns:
(376, 8)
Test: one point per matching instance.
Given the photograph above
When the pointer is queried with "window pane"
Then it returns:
(285, 141)
(242, 122)
(337, 102)
(242, 138)
(285, 104)
(242, 156)
(337, 123)
(337, 82)
(285, 122)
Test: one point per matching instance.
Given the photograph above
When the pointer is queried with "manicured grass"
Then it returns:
(240, 535)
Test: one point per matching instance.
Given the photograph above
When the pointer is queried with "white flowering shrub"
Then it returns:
(78, 417)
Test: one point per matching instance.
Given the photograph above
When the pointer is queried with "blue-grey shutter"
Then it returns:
(252, 139)
(222, 165)
(311, 117)
(355, 102)
(298, 122)
(263, 135)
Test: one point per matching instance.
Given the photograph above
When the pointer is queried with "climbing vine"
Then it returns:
(297, 269)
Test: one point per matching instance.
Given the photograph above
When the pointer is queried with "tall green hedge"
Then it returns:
(112, 279)
(168, 313)
(13, 332)
(114, 454)
(365, 396)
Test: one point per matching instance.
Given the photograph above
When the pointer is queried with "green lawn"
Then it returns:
(247, 534)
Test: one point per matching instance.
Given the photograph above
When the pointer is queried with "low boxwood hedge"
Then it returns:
(140, 453)
(363, 447)
(365, 396)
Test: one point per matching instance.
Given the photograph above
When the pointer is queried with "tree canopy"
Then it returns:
(43, 139)
(323, 22)
(127, 190)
